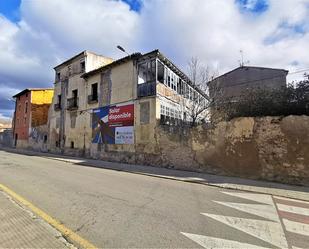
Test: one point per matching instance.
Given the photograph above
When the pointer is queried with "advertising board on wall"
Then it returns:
(113, 124)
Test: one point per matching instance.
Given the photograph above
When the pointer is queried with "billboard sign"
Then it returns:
(113, 124)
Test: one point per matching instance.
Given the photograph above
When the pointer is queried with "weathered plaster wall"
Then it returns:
(38, 138)
(269, 148)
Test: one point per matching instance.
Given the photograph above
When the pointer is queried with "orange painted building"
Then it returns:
(31, 110)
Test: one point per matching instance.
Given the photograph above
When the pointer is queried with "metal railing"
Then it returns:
(146, 89)
(92, 98)
(72, 103)
(57, 107)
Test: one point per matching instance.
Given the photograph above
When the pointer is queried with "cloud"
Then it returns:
(270, 32)
(217, 30)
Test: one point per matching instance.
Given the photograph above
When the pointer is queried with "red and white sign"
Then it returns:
(121, 115)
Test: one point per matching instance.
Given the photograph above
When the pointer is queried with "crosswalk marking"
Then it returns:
(293, 200)
(293, 213)
(292, 209)
(265, 211)
(296, 227)
(267, 231)
(266, 199)
(212, 242)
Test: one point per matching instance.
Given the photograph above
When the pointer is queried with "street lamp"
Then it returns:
(122, 49)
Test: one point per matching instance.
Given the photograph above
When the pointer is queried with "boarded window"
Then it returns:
(144, 112)
(73, 116)
(57, 123)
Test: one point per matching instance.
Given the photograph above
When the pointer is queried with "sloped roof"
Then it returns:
(31, 89)
(248, 67)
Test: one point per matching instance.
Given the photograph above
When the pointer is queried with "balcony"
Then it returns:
(146, 89)
(93, 98)
(72, 104)
(57, 107)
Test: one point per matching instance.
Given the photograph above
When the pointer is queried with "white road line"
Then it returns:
(293, 200)
(266, 199)
(212, 242)
(292, 209)
(265, 211)
(268, 231)
(296, 227)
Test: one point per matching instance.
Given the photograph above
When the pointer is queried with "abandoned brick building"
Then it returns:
(31, 118)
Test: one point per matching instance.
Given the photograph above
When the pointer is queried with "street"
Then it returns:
(118, 209)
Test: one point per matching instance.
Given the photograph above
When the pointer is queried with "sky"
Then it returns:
(36, 35)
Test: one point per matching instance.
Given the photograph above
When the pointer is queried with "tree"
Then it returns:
(256, 102)
(200, 102)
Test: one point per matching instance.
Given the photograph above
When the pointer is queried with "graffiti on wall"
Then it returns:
(113, 124)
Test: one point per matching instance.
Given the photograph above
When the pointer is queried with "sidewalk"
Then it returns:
(272, 188)
(19, 228)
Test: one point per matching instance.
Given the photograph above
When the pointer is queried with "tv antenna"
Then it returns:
(241, 61)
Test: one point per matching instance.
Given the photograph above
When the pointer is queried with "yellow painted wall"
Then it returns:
(40, 97)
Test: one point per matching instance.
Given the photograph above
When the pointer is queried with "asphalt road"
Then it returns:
(118, 209)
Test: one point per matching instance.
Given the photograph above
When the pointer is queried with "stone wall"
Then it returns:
(268, 148)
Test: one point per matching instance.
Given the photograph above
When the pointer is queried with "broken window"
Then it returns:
(58, 76)
(59, 100)
(160, 72)
(75, 93)
(145, 112)
(70, 70)
(82, 66)
(179, 86)
(94, 91)
(147, 72)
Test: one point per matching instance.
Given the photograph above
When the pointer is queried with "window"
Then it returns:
(179, 86)
(162, 110)
(58, 76)
(26, 95)
(70, 70)
(82, 66)
(45, 139)
(160, 72)
(59, 100)
(72, 145)
(168, 79)
(94, 91)
(75, 93)
(26, 107)
(147, 72)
